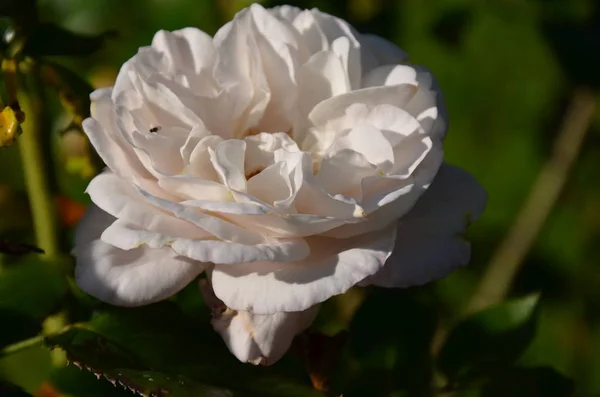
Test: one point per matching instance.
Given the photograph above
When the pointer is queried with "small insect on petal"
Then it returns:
(155, 129)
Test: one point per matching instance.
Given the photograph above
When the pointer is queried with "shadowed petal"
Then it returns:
(333, 267)
(255, 338)
(127, 278)
(430, 242)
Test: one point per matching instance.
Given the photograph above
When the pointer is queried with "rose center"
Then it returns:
(251, 132)
(250, 174)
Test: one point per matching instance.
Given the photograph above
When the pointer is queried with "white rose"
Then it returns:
(290, 156)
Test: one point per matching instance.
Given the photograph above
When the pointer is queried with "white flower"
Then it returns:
(289, 155)
(256, 338)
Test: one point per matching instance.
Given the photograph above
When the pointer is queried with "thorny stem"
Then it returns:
(22, 345)
(509, 256)
(35, 168)
(37, 179)
(31, 342)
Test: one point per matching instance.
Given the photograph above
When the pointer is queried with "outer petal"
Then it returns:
(127, 237)
(343, 41)
(321, 77)
(377, 51)
(430, 241)
(255, 338)
(241, 73)
(278, 51)
(120, 199)
(126, 278)
(427, 106)
(285, 12)
(337, 113)
(190, 49)
(393, 196)
(333, 112)
(333, 267)
(139, 207)
(104, 134)
(343, 172)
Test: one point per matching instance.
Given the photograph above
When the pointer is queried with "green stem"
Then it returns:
(35, 168)
(510, 255)
(22, 345)
(33, 341)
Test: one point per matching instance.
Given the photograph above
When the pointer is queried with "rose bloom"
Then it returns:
(289, 157)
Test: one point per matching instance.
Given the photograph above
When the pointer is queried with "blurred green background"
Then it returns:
(508, 70)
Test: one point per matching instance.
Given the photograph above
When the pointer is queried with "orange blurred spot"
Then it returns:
(70, 211)
(46, 390)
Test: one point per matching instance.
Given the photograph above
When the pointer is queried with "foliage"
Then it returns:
(507, 69)
(174, 354)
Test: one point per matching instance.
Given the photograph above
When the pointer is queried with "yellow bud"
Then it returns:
(80, 165)
(9, 126)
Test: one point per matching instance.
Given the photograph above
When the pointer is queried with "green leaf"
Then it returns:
(390, 336)
(29, 292)
(529, 382)
(191, 303)
(8, 390)
(155, 349)
(49, 39)
(89, 350)
(493, 337)
(27, 368)
(34, 288)
(73, 91)
(75, 382)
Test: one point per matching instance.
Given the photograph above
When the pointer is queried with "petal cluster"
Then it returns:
(289, 156)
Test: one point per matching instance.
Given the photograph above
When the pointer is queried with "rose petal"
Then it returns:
(335, 114)
(128, 237)
(368, 141)
(333, 267)
(395, 123)
(285, 12)
(194, 188)
(387, 198)
(388, 75)
(104, 135)
(228, 160)
(332, 110)
(430, 241)
(150, 212)
(120, 199)
(216, 226)
(316, 210)
(270, 185)
(240, 70)
(200, 164)
(343, 172)
(261, 149)
(127, 278)
(188, 48)
(320, 78)
(278, 51)
(377, 51)
(343, 41)
(427, 106)
(255, 338)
